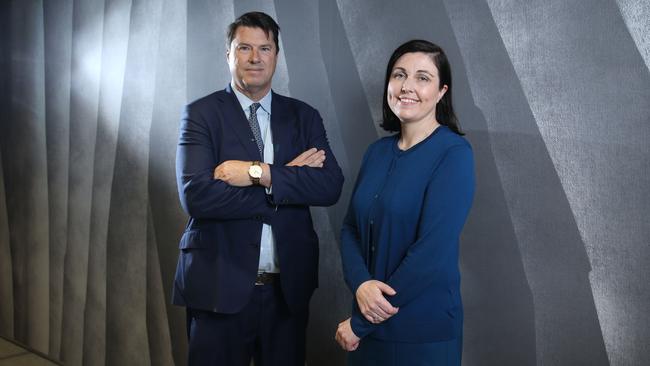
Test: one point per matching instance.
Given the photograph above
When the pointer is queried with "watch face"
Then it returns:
(255, 171)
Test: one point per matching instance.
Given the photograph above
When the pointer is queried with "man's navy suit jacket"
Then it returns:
(220, 248)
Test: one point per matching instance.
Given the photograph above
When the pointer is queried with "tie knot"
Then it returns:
(254, 107)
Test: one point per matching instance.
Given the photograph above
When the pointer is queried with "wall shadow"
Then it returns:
(567, 330)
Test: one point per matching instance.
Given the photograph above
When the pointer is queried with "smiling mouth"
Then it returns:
(407, 101)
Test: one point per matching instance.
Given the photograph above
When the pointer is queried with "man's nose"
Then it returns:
(255, 56)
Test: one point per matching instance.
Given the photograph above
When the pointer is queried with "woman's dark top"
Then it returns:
(402, 228)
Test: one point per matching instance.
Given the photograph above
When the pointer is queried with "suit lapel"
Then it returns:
(282, 127)
(236, 119)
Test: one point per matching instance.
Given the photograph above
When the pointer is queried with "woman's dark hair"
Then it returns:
(444, 109)
(255, 19)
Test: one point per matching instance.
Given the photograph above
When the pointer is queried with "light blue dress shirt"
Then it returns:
(268, 257)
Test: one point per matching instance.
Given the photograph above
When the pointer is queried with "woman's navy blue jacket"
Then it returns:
(402, 228)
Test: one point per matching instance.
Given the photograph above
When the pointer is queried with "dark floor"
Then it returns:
(11, 354)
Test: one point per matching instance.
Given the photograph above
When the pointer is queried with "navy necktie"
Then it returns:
(255, 127)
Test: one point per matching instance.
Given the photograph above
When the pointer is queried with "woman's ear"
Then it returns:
(441, 92)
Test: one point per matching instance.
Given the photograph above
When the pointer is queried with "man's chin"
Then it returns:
(254, 86)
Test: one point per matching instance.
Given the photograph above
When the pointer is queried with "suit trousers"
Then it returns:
(265, 330)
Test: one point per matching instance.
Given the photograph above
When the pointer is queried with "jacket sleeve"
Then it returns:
(355, 270)
(447, 202)
(200, 194)
(306, 185)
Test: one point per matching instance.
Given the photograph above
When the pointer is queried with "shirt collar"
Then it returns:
(246, 102)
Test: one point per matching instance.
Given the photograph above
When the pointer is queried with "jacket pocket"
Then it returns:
(191, 239)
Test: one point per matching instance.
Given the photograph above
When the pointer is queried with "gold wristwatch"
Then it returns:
(255, 172)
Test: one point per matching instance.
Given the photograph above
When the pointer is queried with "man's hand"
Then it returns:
(234, 172)
(313, 158)
(372, 303)
(346, 337)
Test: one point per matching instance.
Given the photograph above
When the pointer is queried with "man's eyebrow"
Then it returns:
(250, 45)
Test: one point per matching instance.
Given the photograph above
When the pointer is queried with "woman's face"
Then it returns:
(414, 88)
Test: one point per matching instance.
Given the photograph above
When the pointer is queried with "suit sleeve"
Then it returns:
(200, 194)
(306, 185)
(446, 205)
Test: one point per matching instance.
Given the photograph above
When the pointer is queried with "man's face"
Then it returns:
(252, 57)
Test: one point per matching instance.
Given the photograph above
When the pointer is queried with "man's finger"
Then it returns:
(314, 157)
(313, 164)
(306, 154)
(301, 159)
(298, 160)
(320, 157)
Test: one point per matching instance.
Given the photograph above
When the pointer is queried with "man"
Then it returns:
(249, 164)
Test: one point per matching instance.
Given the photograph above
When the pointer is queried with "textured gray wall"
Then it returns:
(554, 97)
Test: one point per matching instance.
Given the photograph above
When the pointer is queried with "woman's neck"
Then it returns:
(413, 133)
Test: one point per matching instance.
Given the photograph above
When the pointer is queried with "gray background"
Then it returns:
(554, 97)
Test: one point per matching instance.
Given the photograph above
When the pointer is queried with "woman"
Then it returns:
(399, 242)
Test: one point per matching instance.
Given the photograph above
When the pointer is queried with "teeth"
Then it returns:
(407, 101)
